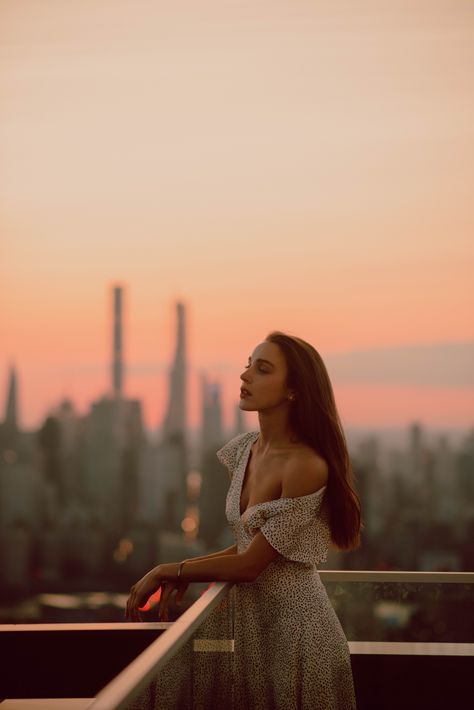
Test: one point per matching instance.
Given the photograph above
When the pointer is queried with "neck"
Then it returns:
(275, 430)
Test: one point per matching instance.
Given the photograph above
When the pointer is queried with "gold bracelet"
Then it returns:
(180, 568)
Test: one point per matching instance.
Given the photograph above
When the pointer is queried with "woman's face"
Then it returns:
(264, 379)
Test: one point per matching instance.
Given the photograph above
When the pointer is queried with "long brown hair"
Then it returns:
(314, 417)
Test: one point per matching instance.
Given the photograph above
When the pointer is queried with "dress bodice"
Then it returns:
(296, 527)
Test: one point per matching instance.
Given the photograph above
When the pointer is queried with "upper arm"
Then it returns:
(304, 475)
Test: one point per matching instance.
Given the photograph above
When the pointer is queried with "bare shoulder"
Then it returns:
(305, 472)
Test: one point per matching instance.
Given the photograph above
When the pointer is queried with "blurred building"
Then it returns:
(20, 498)
(213, 526)
(172, 452)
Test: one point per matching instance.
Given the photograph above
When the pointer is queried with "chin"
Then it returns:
(246, 406)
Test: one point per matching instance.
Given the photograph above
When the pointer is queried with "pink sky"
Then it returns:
(291, 165)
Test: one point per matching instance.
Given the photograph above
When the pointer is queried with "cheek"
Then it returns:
(275, 386)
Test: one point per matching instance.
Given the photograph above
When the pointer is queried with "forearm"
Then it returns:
(221, 568)
(228, 551)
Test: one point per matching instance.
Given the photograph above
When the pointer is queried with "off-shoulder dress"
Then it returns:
(275, 643)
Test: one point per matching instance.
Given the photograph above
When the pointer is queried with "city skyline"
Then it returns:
(353, 374)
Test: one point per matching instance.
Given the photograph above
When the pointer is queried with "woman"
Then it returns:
(290, 497)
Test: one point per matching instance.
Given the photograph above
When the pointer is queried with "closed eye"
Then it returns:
(259, 368)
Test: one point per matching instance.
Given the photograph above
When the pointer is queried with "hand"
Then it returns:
(142, 591)
(158, 577)
(166, 592)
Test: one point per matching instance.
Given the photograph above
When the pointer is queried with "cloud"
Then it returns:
(434, 365)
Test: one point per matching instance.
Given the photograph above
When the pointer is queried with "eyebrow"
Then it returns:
(260, 359)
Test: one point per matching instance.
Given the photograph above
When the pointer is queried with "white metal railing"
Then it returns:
(128, 684)
(134, 679)
(84, 626)
(396, 576)
(410, 648)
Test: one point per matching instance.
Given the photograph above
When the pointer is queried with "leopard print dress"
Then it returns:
(289, 651)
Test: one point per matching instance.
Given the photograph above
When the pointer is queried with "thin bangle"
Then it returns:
(180, 568)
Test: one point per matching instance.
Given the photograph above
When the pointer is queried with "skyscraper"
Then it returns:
(239, 426)
(113, 439)
(20, 494)
(215, 480)
(9, 431)
(173, 449)
(175, 419)
(117, 363)
(212, 435)
(11, 408)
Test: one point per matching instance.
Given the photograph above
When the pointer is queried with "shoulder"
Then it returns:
(305, 472)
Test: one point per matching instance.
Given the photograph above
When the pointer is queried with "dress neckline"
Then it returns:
(253, 436)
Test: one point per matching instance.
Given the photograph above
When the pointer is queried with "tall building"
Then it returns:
(9, 427)
(173, 455)
(11, 409)
(117, 355)
(239, 421)
(211, 415)
(213, 528)
(20, 498)
(113, 437)
(175, 420)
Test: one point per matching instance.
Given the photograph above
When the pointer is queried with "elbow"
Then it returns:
(254, 574)
(248, 577)
(247, 572)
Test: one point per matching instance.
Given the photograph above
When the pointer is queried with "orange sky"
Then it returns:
(296, 165)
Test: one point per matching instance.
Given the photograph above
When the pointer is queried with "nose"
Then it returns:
(245, 376)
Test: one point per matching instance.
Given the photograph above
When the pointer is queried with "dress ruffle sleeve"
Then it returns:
(229, 455)
(296, 527)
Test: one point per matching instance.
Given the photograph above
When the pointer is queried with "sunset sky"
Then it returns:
(303, 166)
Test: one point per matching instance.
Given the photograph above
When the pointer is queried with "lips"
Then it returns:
(244, 392)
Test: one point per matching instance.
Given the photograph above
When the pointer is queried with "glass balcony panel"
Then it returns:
(441, 612)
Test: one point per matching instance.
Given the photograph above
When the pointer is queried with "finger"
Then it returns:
(134, 612)
(161, 602)
(139, 601)
(180, 593)
(166, 590)
(133, 604)
(132, 607)
(129, 604)
(130, 610)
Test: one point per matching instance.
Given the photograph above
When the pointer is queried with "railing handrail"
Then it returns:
(430, 577)
(338, 575)
(410, 648)
(128, 684)
(90, 626)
